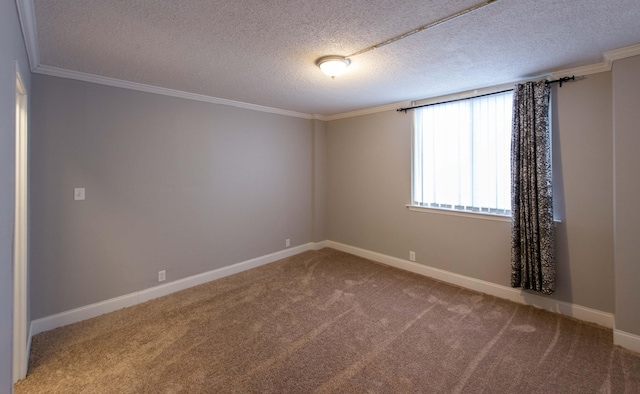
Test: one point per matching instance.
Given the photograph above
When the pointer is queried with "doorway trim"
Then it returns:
(20, 234)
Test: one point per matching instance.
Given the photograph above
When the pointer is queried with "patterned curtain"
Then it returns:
(532, 239)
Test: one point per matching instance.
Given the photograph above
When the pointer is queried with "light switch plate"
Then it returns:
(78, 193)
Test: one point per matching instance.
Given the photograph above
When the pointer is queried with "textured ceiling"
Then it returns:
(263, 51)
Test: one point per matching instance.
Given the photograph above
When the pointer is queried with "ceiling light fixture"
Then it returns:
(333, 65)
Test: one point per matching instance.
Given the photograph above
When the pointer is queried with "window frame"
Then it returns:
(451, 211)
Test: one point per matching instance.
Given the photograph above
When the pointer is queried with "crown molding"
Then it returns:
(27, 15)
(582, 70)
(606, 65)
(119, 83)
(621, 53)
(319, 117)
(608, 58)
(26, 12)
(367, 111)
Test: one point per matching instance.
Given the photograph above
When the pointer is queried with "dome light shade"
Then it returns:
(333, 65)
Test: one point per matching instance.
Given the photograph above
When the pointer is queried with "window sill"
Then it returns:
(475, 215)
(452, 212)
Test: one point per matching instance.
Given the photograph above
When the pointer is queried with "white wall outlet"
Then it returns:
(78, 193)
(412, 256)
(162, 276)
(287, 243)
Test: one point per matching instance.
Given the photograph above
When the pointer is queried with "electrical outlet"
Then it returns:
(412, 256)
(287, 243)
(78, 193)
(162, 276)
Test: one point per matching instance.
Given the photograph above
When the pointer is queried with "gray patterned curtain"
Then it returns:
(532, 239)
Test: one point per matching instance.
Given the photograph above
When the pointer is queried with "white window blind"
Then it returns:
(461, 157)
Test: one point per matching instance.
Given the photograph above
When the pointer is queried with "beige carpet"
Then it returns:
(324, 322)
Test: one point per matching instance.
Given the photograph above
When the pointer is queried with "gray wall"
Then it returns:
(11, 49)
(583, 179)
(369, 185)
(626, 107)
(171, 184)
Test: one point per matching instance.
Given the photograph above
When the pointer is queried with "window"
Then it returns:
(461, 157)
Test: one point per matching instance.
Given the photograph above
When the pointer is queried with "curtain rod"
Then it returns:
(559, 81)
(450, 101)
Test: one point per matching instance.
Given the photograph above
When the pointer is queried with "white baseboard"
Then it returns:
(509, 293)
(195, 280)
(626, 340)
(87, 312)
(621, 338)
(320, 245)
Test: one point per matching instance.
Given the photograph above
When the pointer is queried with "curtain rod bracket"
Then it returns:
(560, 81)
